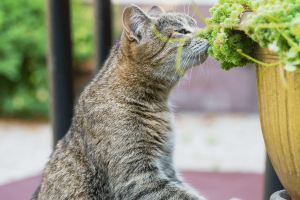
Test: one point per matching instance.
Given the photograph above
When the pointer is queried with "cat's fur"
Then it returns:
(120, 143)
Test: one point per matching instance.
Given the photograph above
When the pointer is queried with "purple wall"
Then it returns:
(217, 90)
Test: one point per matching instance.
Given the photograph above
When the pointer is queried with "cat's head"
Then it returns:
(142, 42)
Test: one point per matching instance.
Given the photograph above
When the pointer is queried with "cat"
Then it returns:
(120, 142)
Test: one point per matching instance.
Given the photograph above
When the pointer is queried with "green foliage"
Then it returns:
(275, 24)
(23, 72)
(223, 39)
(23, 69)
(285, 40)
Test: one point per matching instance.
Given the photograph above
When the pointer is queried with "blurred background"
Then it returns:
(219, 149)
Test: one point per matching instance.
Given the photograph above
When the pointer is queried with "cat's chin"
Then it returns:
(197, 60)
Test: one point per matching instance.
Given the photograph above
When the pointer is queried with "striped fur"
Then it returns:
(120, 143)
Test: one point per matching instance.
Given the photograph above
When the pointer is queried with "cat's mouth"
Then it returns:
(195, 60)
(201, 47)
(200, 55)
(201, 58)
(195, 55)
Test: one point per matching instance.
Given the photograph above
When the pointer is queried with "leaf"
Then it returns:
(289, 67)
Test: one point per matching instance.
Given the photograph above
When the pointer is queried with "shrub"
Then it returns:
(23, 70)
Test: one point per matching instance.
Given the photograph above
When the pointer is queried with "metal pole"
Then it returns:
(59, 61)
(271, 181)
(103, 31)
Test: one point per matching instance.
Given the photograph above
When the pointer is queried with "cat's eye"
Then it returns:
(183, 31)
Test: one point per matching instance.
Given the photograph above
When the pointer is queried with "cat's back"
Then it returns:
(78, 167)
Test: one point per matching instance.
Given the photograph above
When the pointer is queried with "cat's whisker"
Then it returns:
(193, 61)
(183, 65)
(195, 10)
(209, 69)
(208, 74)
(190, 77)
(185, 62)
(201, 66)
(212, 69)
(176, 71)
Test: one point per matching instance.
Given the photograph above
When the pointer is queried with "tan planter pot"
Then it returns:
(280, 120)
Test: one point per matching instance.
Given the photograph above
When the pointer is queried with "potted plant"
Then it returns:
(270, 37)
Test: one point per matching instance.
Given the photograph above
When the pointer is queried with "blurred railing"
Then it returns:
(60, 58)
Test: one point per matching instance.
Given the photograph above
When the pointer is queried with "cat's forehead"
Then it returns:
(175, 19)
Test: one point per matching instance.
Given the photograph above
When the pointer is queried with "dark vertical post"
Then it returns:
(103, 31)
(271, 181)
(59, 61)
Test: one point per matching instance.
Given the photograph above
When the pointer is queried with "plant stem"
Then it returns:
(178, 60)
(202, 17)
(256, 61)
(283, 34)
(281, 71)
(179, 41)
(264, 71)
(167, 39)
(288, 39)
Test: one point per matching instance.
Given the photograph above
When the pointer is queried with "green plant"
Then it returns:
(275, 24)
(223, 38)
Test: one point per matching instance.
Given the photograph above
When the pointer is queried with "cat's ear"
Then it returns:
(156, 10)
(133, 20)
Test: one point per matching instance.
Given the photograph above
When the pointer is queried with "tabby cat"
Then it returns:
(120, 143)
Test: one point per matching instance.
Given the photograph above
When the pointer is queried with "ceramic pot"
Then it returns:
(279, 111)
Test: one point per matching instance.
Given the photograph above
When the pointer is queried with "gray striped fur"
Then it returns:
(120, 143)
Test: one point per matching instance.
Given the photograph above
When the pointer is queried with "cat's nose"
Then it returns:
(206, 42)
(203, 42)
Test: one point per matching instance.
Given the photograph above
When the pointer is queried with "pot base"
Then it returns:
(280, 195)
